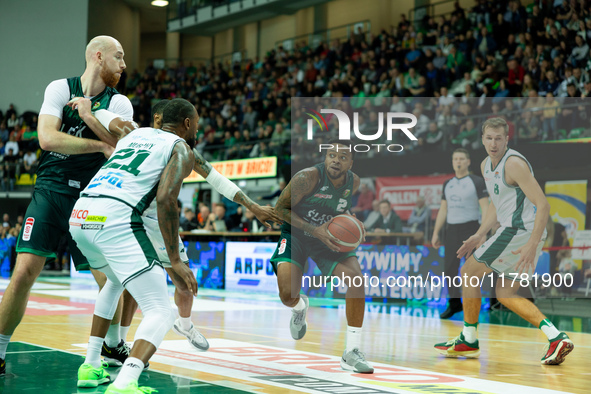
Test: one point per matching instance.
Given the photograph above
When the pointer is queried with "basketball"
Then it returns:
(348, 230)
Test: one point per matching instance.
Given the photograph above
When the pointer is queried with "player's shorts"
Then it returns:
(45, 222)
(496, 252)
(296, 250)
(155, 235)
(109, 232)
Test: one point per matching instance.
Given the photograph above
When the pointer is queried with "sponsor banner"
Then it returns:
(318, 373)
(38, 306)
(568, 204)
(260, 167)
(248, 267)
(402, 192)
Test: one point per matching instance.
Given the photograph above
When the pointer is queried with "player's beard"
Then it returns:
(191, 142)
(331, 176)
(110, 79)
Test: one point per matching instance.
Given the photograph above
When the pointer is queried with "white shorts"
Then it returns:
(109, 232)
(155, 235)
(496, 252)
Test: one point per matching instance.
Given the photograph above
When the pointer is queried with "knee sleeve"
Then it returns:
(107, 300)
(150, 291)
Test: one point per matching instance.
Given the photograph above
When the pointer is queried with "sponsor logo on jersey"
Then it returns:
(319, 195)
(94, 218)
(497, 175)
(96, 105)
(346, 193)
(79, 214)
(282, 245)
(28, 228)
(93, 226)
(75, 184)
(324, 188)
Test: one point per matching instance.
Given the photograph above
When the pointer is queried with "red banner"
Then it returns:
(402, 192)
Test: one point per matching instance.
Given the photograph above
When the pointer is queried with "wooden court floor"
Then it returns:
(252, 350)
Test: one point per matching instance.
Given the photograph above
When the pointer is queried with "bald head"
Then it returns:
(104, 58)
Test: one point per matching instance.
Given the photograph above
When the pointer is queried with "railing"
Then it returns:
(433, 9)
(227, 59)
(339, 32)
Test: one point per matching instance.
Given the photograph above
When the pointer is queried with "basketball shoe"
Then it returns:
(88, 376)
(193, 335)
(2, 367)
(458, 347)
(557, 349)
(131, 388)
(115, 356)
(298, 324)
(355, 361)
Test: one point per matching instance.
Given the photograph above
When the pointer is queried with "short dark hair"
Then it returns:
(176, 111)
(386, 202)
(462, 150)
(335, 141)
(158, 108)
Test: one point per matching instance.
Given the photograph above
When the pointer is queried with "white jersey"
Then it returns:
(132, 173)
(514, 209)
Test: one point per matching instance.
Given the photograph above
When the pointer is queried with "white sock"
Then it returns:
(112, 339)
(123, 330)
(469, 332)
(185, 323)
(4, 339)
(93, 352)
(549, 329)
(130, 372)
(300, 306)
(353, 338)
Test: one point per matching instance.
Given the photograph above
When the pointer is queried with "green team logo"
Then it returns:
(496, 189)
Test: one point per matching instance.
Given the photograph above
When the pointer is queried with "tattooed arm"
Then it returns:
(263, 214)
(177, 169)
(301, 185)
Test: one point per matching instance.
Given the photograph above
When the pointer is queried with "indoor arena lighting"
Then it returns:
(160, 3)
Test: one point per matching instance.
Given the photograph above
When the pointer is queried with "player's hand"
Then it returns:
(185, 273)
(322, 234)
(526, 259)
(435, 241)
(108, 150)
(470, 244)
(266, 214)
(82, 104)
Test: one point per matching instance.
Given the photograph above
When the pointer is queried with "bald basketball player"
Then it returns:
(73, 150)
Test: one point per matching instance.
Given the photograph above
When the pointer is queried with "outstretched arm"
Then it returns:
(232, 192)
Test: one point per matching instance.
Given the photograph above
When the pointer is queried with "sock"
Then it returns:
(353, 339)
(300, 306)
(93, 352)
(123, 330)
(4, 339)
(185, 323)
(548, 328)
(130, 372)
(112, 339)
(470, 332)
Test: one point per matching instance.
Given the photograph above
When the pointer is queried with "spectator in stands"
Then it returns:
(12, 145)
(373, 216)
(202, 216)
(12, 121)
(549, 116)
(4, 132)
(468, 136)
(188, 222)
(529, 128)
(29, 164)
(419, 217)
(485, 43)
(217, 220)
(515, 75)
(433, 140)
(11, 166)
(6, 220)
(364, 202)
(389, 222)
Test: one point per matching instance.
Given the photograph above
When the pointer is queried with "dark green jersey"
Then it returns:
(325, 201)
(69, 174)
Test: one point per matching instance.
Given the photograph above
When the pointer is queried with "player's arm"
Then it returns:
(439, 222)
(517, 172)
(178, 168)
(232, 192)
(51, 139)
(109, 126)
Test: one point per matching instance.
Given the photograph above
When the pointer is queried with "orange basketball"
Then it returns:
(348, 230)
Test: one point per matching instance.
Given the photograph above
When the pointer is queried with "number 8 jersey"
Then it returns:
(132, 173)
(514, 209)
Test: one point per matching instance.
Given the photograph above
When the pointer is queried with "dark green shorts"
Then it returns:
(296, 250)
(46, 221)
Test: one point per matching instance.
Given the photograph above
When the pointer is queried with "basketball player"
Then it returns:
(71, 155)
(463, 198)
(521, 208)
(148, 164)
(308, 203)
(182, 297)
